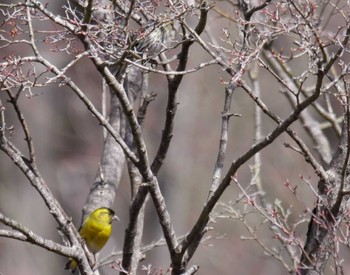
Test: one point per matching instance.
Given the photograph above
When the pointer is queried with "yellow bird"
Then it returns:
(95, 230)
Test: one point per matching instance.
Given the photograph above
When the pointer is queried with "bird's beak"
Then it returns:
(115, 217)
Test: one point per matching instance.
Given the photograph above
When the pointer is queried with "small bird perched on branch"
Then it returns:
(153, 38)
(95, 231)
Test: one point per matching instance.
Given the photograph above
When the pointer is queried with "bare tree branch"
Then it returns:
(226, 114)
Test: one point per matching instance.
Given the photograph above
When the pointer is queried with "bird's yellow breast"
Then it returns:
(95, 234)
(96, 229)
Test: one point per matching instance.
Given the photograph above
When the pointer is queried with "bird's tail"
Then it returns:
(72, 265)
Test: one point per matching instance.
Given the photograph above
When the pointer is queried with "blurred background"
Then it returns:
(68, 143)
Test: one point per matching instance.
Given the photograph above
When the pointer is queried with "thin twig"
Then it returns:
(24, 234)
(226, 114)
